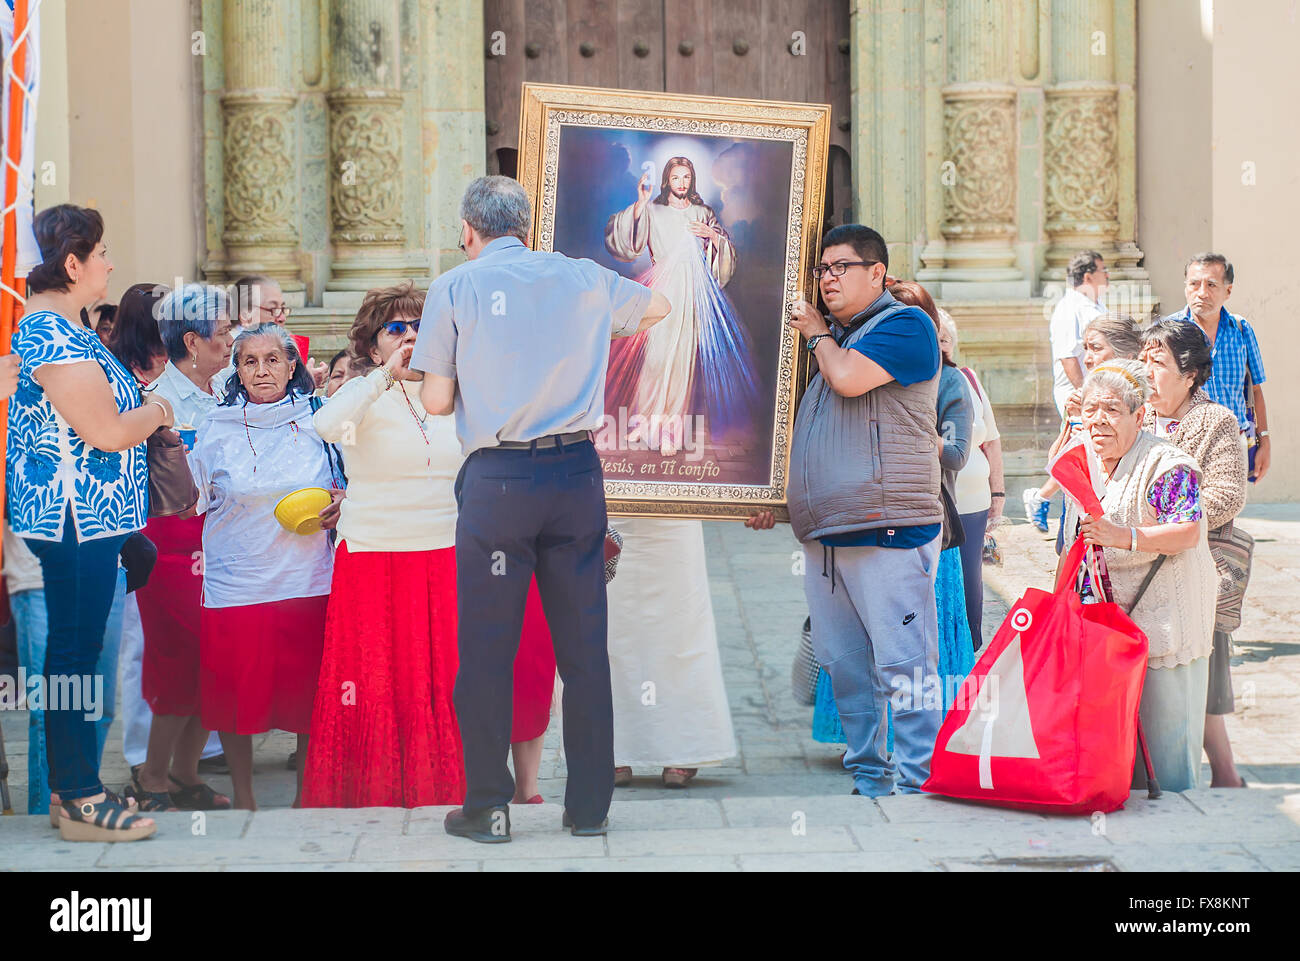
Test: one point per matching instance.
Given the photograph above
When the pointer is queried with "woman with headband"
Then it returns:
(1153, 515)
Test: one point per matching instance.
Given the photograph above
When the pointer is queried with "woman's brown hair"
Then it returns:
(381, 305)
(135, 339)
(914, 295)
(1121, 332)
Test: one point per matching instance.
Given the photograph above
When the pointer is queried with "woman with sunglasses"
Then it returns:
(384, 731)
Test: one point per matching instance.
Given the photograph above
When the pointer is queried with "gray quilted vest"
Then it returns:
(860, 463)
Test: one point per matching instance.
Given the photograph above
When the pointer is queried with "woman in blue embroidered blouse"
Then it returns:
(78, 487)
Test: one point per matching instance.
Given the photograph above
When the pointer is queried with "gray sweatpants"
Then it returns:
(875, 631)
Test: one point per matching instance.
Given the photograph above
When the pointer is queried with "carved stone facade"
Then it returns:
(1082, 179)
(260, 203)
(995, 139)
(366, 186)
(329, 147)
(979, 204)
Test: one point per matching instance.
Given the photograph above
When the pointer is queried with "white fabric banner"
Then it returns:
(29, 255)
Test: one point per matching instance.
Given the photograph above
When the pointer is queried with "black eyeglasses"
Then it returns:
(837, 269)
(398, 327)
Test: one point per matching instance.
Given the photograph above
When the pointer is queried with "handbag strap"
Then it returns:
(1075, 558)
(335, 459)
(1146, 582)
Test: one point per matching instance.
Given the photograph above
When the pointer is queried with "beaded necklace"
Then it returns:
(293, 427)
(428, 461)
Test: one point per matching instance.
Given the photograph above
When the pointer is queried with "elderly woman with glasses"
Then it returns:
(194, 323)
(391, 623)
(1178, 362)
(265, 588)
(258, 299)
(1154, 509)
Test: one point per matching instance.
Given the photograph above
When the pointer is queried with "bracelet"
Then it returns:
(388, 377)
(998, 494)
(1261, 434)
(163, 409)
(1133, 545)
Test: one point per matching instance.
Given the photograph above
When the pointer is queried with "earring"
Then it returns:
(195, 358)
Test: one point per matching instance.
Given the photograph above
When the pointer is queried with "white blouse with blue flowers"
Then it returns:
(49, 465)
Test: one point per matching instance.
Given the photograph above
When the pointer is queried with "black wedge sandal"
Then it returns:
(197, 797)
(149, 802)
(107, 820)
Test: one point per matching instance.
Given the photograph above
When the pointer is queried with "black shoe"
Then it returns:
(856, 791)
(292, 763)
(214, 765)
(490, 826)
(584, 832)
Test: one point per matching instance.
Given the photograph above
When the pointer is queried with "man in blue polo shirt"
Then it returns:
(864, 501)
(1233, 347)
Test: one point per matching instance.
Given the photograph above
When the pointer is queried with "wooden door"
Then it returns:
(753, 49)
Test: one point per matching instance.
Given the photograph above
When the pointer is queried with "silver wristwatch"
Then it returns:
(814, 340)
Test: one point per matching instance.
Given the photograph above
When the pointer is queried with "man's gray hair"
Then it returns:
(192, 308)
(1126, 378)
(497, 206)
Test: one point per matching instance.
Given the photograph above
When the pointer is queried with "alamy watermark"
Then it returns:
(55, 692)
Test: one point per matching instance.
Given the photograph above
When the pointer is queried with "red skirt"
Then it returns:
(384, 731)
(534, 673)
(258, 665)
(169, 613)
(390, 656)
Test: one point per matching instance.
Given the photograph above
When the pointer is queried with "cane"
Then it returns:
(1153, 786)
(5, 806)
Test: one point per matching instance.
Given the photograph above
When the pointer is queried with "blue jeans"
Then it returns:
(81, 580)
(32, 625)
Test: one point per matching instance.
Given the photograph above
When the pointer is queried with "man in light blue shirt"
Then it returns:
(1235, 351)
(516, 343)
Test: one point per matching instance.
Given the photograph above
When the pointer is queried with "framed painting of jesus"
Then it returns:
(717, 204)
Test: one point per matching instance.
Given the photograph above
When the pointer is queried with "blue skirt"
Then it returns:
(956, 656)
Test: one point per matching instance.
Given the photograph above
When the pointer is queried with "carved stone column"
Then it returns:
(452, 121)
(365, 147)
(259, 145)
(1088, 156)
(977, 179)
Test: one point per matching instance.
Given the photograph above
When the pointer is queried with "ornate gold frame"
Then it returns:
(544, 108)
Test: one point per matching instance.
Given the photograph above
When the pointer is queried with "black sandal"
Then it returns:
(149, 802)
(108, 820)
(196, 797)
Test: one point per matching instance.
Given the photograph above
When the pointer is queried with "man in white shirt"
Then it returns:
(1088, 279)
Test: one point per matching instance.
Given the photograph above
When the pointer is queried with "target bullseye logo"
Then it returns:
(1021, 619)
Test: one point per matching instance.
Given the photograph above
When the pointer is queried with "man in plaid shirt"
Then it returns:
(1234, 349)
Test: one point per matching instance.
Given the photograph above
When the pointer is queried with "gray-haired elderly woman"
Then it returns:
(1152, 507)
(265, 589)
(194, 323)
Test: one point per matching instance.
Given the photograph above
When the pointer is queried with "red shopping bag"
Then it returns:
(1047, 720)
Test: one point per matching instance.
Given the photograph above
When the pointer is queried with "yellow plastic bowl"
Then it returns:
(299, 512)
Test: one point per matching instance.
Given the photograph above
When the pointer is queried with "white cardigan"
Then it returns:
(400, 489)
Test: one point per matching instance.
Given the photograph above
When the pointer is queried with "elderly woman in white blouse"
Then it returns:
(265, 589)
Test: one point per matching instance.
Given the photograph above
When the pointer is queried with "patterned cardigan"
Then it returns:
(1210, 434)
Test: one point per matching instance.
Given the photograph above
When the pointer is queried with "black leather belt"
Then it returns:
(550, 440)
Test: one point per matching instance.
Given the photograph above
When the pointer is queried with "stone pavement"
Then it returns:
(782, 803)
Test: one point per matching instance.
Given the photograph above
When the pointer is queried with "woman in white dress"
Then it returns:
(670, 703)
